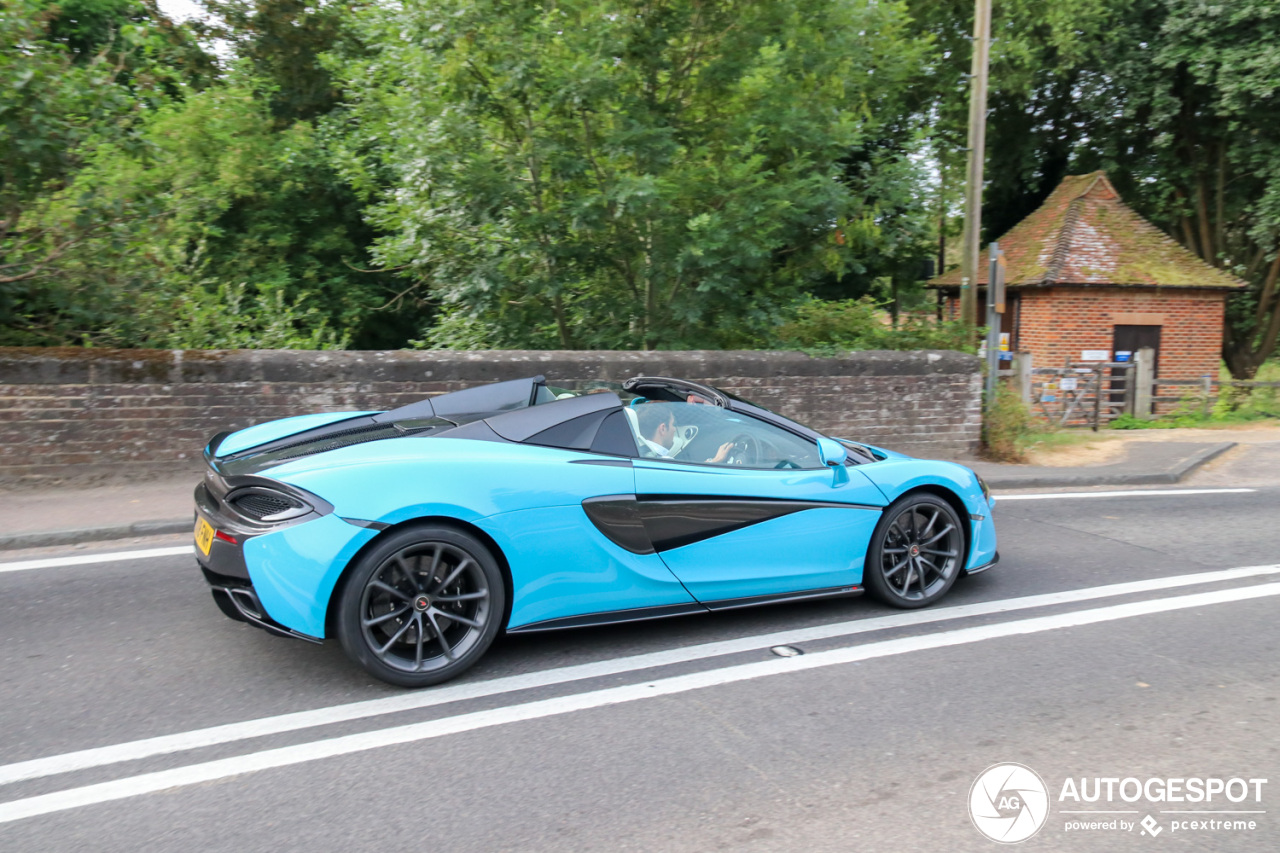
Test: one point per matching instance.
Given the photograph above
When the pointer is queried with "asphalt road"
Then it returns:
(648, 737)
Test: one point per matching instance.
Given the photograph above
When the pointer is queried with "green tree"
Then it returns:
(150, 203)
(54, 105)
(283, 41)
(238, 219)
(1035, 121)
(888, 176)
(1176, 99)
(73, 78)
(1191, 95)
(857, 324)
(614, 173)
(308, 213)
(133, 33)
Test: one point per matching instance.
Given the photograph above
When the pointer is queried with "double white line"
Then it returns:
(348, 744)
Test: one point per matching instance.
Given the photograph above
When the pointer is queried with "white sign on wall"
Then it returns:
(1096, 355)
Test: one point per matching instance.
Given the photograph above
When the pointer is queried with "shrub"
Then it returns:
(1234, 405)
(822, 327)
(1007, 426)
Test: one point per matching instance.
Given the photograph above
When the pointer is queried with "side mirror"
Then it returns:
(831, 452)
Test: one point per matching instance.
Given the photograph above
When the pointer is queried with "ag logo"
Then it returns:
(1008, 803)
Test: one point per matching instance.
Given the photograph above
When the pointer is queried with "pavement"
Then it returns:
(1241, 455)
(67, 515)
(44, 516)
(1145, 463)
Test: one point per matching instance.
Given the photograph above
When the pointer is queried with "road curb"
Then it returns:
(93, 534)
(1174, 474)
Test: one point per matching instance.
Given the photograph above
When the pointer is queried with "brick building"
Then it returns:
(1087, 273)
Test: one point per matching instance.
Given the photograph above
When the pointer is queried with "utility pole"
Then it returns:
(942, 219)
(977, 146)
(995, 309)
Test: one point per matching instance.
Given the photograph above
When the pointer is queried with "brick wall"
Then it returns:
(1057, 323)
(85, 414)
(1061, 322)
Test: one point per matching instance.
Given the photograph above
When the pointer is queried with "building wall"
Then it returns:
(1056, 323)
(1060, 322)
(86, 414)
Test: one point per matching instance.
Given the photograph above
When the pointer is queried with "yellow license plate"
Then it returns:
(204, 536)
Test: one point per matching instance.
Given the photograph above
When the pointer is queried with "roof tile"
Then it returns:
(1084, 234)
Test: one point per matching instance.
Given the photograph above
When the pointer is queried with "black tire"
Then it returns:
(422, 606)
(916, 552)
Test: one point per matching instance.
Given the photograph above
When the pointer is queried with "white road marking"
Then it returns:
(90, 559)
(166, 744)
(1137, 493)
(226, 768)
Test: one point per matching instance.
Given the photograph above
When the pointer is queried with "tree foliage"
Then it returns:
(1197, 87)
(595, 173)
(227, 218)
(150, 204)
(862, 324)
(283, 41)
(1176, 99)
(622, 174)
(68, 85)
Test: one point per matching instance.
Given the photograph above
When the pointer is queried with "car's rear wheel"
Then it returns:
(422, 606)
(916, 552)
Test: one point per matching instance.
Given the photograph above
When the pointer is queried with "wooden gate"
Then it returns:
(1092, 394)
(1085, 394)
(1088, 395)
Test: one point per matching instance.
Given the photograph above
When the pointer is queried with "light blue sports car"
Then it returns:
(415, 535)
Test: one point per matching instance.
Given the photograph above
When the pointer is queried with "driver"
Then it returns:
(658, 432)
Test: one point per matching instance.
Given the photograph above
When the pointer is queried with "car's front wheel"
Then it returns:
(916, 552)
(422, 606)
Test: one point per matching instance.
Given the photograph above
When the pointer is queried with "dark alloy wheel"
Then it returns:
(916, 552)
(422, 606)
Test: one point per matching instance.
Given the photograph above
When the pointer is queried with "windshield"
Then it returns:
(710, 435)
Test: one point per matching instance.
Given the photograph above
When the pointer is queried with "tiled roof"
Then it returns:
(1084, 234)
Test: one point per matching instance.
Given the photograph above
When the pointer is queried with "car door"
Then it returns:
(569, 568)
(765, 520)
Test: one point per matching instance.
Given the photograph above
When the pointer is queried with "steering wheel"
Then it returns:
(745, 451)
